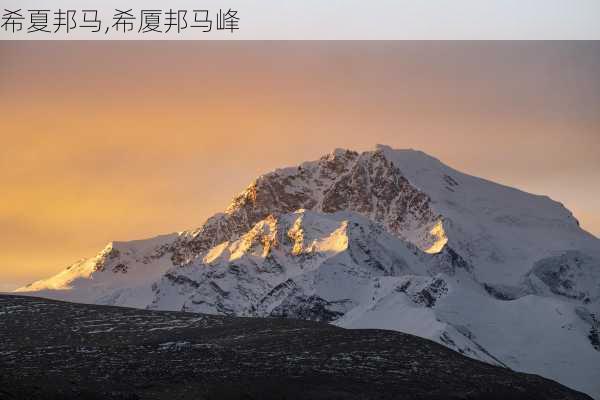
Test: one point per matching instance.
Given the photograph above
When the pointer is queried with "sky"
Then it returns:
(107, 141)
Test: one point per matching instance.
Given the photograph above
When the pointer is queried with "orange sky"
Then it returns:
(122, 140)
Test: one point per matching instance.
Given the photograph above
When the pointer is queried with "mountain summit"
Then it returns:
(390, 239)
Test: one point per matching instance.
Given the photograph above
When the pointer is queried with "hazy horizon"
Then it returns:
(124, 140)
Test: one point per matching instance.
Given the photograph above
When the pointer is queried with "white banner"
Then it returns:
(299, 20)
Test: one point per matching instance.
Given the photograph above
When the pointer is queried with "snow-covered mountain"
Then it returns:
(388, 239)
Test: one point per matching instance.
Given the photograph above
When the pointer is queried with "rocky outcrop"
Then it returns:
(366, 183)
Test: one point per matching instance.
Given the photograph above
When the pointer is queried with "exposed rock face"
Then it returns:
(366, 183)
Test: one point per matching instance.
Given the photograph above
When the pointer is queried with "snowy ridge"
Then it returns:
(388, 239)
(121, 274)
(492, 225)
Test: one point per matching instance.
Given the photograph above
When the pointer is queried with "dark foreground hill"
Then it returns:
(57, 350)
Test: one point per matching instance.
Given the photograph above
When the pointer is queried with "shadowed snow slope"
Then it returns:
(390, 239)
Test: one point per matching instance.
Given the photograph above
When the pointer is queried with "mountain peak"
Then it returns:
(366, 183)
(390, 239)
(339, 152)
